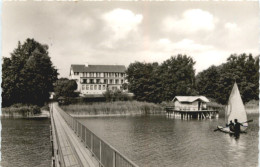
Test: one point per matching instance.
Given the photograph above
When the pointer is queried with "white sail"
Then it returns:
(236, 108)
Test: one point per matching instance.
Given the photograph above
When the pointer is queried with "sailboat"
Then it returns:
(235, 110)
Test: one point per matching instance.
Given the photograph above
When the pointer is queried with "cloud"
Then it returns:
(192, 20)
(185, 45)
(121, 22)
(232, 29)
(231, 26)
(208, 58)
(204, 55)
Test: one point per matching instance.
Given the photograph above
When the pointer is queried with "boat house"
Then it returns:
(193, 103)
(187, 107)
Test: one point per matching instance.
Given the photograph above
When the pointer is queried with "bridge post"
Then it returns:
(114, 159)
(91, 143)
(100, 152)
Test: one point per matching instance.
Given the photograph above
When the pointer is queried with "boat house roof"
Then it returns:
(190, 99)
(98, 68)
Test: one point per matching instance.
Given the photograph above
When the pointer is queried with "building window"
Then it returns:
(91, 87)
(76, 73)
(98, 81)
(104, 87)
(91, 74)
(84, 80)
(95, 87)
(116, 81)
(87, 87)
(91, 81)
(122, 74)
(99, 87)
(83, 87)
(122, 81)
(105, 81)
(111, 81)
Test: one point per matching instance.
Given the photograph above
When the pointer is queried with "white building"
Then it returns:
(96, 79)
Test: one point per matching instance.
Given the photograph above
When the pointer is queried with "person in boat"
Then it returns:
(237, 128)
(231, 126)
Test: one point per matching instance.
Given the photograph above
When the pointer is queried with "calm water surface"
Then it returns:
(25, 143)
(153, 141)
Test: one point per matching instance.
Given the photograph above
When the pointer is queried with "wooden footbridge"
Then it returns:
(74, 145)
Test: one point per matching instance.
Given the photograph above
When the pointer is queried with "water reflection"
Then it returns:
(236, 149)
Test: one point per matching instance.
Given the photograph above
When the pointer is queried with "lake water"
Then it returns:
(25, 143)
(153, 141)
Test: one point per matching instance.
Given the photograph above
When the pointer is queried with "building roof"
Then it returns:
(98, 68)
(190, 98)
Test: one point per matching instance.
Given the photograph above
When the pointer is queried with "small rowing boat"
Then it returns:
(235, 110)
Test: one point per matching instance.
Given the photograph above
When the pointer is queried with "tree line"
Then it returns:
(217, 81)
(155, 82)
(28, 77)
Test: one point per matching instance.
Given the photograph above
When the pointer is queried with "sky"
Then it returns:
(120, 33)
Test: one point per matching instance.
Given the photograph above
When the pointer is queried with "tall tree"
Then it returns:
(206, 82)
(28, 76)
(65, 88)
(141, 78)
(177, 77)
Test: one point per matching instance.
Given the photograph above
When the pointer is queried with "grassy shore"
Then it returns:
(114, 108)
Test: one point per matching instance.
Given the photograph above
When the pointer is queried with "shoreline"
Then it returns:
(43, 114)
(110, 115)
(87, 115)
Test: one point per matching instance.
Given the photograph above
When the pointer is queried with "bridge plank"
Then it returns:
(73, 150)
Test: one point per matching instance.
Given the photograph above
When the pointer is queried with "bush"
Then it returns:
(116, 96)
(45, 107)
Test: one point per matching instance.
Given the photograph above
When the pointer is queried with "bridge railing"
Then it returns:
(106, 155)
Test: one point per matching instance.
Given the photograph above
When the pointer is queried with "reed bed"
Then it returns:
(20, 110)
(114, 108)
(252, 107)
